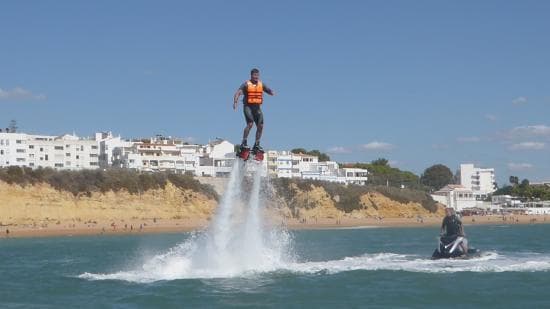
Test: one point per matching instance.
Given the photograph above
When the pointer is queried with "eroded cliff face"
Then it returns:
(317, 203)
(41, 202)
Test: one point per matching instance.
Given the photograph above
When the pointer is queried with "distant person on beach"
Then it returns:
(252, 91)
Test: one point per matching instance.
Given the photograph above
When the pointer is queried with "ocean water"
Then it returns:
(353, 268)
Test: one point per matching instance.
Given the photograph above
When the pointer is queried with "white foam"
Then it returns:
(487, 262)
(237, 243)
(490, 262)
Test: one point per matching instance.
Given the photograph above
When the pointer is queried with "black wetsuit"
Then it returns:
(452, 226)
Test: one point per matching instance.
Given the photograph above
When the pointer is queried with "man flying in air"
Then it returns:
(252, 91)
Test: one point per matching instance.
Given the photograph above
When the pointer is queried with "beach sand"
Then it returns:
(121, 227)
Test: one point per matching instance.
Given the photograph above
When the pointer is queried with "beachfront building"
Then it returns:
(216, 159)
(480, 180)
(157, 154)
(356, 176)
(508, 203)
(457, 197)
(505, 201)
(285, 164)
(160, 154)
(324, 171)
(66, 152)
(13, 149)
(107, 143)
(537, 208)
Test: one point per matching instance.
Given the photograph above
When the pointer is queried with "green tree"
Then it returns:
(524, 184)
(299, 150)
(437, 176)
(514, 180)
(382, 174)
(380, 162)
(13, 126)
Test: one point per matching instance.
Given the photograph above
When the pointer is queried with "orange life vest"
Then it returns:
(254, 92)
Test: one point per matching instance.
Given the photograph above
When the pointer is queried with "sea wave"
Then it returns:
(173, 267)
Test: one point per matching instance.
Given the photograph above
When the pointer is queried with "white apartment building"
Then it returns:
(157, 154)
(455, 196)
(67, 152)
(356, 176)
(216, 159)
(480, 180)
(279, 163)
(13, 149)
(107, 144)
(324, 171)
(169, 154)
(285, 164)
(505, 201)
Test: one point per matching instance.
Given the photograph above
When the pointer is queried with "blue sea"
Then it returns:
(345, 268)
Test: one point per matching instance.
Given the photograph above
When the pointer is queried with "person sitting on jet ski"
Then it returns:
(452, 227)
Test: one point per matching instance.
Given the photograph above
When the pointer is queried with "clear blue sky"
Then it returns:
(417, 82)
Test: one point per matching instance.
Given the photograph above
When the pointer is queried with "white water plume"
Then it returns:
(237, 242)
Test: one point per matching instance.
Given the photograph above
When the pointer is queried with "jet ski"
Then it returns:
(453, 246)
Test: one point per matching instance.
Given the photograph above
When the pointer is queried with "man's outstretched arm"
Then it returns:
(268, 90)
(236, 98)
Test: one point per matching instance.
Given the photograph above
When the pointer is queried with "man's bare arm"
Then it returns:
(269, 91)
(236, 98)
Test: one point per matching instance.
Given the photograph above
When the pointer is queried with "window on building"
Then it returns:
(20, 159)
(18, 141)
(31, 164)
(46, 157)
(67, 154)
(77, 157)
(82, 148)
(67, 146)
(58, 147)
(1, 152)
(93, 163)
(94, 147)
(31, 155)
(68, 163)
(41, 149)
(93, 155)
(58, 164)
(20, 150)
(31, 146)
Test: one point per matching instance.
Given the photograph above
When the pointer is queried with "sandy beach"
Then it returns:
(121, 227)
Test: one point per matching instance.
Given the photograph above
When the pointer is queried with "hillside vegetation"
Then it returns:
(86, 182)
